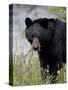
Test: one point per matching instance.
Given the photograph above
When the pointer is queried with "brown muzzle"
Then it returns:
(35, 44)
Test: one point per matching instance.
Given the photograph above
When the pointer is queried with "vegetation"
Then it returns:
(30, 74)
(60, 12)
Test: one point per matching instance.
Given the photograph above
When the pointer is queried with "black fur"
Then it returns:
(52, 37)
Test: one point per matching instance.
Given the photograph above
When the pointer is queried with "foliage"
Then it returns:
(24, 74)
(60, 12)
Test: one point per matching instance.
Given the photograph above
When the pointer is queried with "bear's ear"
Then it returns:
(44, 22)
(28, 21)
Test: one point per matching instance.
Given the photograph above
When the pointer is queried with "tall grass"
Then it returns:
(30, 74)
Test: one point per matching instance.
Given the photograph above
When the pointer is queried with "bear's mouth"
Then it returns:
(36, 44)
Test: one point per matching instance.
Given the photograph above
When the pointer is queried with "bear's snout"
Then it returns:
(35, 44)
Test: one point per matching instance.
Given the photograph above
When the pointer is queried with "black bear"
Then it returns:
(48, 37)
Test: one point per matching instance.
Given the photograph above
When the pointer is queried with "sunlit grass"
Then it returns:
(25, 74)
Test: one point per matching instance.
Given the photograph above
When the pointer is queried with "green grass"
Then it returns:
(30, 74)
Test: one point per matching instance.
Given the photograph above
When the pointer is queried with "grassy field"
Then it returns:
(30, 74)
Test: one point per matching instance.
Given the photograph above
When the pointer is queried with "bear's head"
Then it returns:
(39, 31)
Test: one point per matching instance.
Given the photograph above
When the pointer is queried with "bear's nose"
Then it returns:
(35, 44)
(35, 48)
